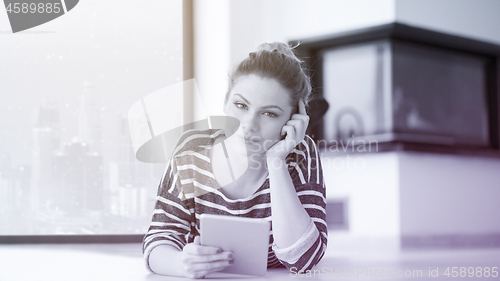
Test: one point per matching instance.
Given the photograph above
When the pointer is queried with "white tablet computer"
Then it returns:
(247, 238)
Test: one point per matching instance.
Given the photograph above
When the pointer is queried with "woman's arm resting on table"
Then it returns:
(194, 261)
(290, 219)
(166, 260)
(298, 215)
(299, 227)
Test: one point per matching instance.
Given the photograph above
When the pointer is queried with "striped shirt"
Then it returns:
(187, 190)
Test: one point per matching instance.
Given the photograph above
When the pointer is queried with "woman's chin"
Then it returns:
(246, 148)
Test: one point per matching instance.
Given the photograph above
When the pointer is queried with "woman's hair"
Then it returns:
(278, 61)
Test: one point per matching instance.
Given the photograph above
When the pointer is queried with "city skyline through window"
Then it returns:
(67, 165)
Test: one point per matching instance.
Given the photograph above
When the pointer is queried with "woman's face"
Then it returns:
(262, 106)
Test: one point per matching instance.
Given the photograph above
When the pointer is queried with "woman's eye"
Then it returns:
(270, 114)
(240, 105)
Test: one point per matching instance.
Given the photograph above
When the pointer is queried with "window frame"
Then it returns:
(188, 73)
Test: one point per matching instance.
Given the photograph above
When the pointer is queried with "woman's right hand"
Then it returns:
(201, 260)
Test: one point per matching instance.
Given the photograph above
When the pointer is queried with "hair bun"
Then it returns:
(280, 48)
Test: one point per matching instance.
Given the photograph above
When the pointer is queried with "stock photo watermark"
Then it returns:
(26, 14)
(345, 161)
(365, 272)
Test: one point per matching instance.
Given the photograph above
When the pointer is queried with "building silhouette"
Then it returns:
(90, 117)
(78, 178)
(46, 140)
(129, 179)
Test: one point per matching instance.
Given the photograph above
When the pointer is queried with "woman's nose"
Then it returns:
(250, 123)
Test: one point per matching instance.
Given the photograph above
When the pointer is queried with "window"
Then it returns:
(66, 160)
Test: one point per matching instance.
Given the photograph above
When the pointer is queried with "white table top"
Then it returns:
(124, 262)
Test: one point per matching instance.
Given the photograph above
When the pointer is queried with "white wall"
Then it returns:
(255, 22)
(370, 182)
(449, 194)
(478, 19)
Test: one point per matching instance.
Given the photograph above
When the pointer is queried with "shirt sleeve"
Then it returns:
(306, 172)
(171, 222)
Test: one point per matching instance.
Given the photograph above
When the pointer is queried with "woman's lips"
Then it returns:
(249, 138)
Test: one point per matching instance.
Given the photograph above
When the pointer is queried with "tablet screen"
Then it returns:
(247, 238)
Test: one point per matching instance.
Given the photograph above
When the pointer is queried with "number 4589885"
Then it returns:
(33, 8)
(471, 272)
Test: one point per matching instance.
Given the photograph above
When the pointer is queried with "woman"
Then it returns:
(273, 167)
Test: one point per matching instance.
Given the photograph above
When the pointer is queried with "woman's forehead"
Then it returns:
(261, 91)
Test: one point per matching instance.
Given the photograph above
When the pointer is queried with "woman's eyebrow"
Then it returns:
(273, 106)
(267, 106)
(243, 98)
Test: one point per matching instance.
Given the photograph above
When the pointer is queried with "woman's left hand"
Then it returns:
(295, 130)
